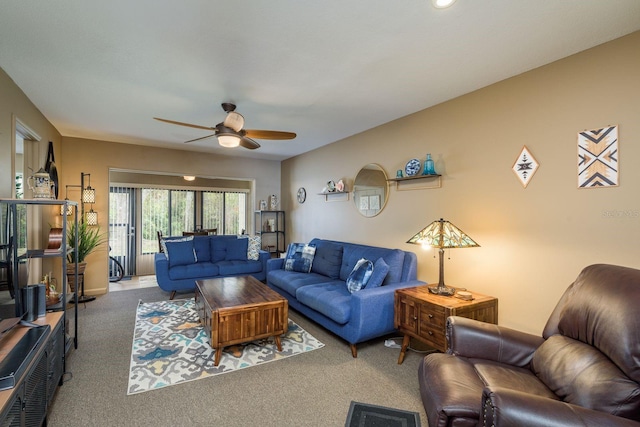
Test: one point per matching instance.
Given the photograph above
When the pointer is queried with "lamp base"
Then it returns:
(442, 290)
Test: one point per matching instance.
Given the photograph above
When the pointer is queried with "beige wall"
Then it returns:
(15, 104)
(534, 241)
(98, 157)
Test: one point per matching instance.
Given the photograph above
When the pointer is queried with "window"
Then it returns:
(224, 210)
(173, 211)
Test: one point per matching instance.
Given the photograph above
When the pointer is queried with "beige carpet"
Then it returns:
(311, 389)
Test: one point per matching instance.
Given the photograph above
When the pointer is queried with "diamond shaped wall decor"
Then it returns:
(525, 166)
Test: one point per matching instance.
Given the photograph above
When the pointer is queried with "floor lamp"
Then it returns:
(87, 196)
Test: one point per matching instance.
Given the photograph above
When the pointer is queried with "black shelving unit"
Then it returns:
(270, 225)
(18, 232)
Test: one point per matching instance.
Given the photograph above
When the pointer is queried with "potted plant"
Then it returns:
(89, 238)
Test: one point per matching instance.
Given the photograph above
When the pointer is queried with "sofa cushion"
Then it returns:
(393, 257)
(580, 374)
(360, 275)
(219, 246)
(164, 240)
(180, 252)
(299, 257)
(327, 259)
(237, 249)
(380, 271)
(200, 270)
(237, 267)
(290, 281)
(331, 299)
(203, 248)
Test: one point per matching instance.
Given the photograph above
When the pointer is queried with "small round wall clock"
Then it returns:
(412, 167)
(302, 195)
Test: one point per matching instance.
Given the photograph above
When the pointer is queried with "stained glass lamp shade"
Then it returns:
(443, 235)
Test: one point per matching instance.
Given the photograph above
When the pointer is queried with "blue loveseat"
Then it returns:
(322, 294)
(186, 260)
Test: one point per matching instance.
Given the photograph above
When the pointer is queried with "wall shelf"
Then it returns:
(335, 196)
(409, 182)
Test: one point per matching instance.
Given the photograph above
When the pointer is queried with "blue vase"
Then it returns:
(429, 166)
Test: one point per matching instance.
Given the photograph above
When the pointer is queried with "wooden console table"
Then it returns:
(423, 315)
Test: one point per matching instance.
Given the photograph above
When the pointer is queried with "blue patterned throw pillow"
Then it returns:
(253, 248)
(299, 257)
(360, 275)
(380, 271)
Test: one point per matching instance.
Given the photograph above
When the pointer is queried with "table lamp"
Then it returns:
(443, 235)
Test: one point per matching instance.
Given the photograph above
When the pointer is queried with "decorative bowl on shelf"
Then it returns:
(53, 298)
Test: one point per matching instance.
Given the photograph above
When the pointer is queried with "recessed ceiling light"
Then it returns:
(189, 178)
(441, 4)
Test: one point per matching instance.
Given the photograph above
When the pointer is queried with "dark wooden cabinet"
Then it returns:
(423, 315)
(27, 403)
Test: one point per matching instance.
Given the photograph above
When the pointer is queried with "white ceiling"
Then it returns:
(323, 69)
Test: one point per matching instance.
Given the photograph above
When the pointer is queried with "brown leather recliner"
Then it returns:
(583, 371)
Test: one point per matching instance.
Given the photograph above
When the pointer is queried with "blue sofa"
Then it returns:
(186, 260)
(322, 294)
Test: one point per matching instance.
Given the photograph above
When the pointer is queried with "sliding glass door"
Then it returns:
(139, 213)
(122, 243)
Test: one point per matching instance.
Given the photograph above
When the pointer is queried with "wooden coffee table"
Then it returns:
(235, 310)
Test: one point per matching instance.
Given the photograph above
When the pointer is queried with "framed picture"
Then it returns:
(374, 202)
(364, 203)
(598, 158)
(525, 166)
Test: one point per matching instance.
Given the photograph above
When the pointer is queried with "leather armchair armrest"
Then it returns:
(505, 407)
(475, 339)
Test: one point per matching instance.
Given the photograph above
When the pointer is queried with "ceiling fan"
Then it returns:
(230, 132)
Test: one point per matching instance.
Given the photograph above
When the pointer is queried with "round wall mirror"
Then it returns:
(370, 190)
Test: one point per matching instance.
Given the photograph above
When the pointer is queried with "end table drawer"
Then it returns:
(432, 316)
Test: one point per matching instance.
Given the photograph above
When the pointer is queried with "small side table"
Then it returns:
(423, 315)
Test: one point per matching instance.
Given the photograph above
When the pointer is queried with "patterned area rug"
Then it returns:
(171, 347)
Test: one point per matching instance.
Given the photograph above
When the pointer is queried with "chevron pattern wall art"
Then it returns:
(598, 158)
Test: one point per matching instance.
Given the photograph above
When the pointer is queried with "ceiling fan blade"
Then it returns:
(173, 122)
(269, 134)
(249, 143)
(202, 137)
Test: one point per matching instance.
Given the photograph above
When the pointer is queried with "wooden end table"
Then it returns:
(423, 315)
(240, 309)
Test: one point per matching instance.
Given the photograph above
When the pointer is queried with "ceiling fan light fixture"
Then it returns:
(442, 4)
(234, 121)
(229, 141)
